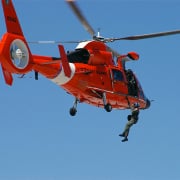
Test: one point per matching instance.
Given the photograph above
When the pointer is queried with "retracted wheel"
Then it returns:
(72, 111)
(108, 107)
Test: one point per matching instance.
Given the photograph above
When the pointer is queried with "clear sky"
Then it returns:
(39, 140)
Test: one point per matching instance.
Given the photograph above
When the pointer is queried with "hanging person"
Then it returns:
(132, 119)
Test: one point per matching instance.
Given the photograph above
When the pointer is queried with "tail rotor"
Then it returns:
(19, 54)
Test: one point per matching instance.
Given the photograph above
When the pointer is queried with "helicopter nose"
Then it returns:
(148, 103)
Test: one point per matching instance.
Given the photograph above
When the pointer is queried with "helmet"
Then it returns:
(136, 105)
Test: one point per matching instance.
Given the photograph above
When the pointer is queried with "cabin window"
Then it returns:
(117, 75)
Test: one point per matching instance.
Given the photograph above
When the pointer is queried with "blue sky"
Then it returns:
(39, 140)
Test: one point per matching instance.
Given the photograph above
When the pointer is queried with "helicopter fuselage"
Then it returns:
(89, 83)
(95, 78)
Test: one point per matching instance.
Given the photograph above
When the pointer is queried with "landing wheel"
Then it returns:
(108, 107)
(72, 111)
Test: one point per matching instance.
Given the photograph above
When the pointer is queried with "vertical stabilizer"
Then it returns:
(11, 19)
(65, 63)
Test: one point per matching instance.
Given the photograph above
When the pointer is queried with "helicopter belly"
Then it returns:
(61, 78)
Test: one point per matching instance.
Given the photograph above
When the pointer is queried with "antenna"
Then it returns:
(98, 33)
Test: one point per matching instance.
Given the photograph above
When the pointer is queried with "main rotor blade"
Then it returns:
(146, 36)
(73, 5)
(54, 42)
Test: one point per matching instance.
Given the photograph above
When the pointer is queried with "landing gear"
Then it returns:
(36, 75)
(73, 110)
(107, 106)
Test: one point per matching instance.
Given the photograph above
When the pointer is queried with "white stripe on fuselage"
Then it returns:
(61, 79)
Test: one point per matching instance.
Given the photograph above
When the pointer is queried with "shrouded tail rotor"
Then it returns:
(15, 56)
(19, 54)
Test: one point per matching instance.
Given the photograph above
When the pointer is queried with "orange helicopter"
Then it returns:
(93, 73)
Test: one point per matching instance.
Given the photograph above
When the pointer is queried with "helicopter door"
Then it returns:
(132, 83)
(119, 83)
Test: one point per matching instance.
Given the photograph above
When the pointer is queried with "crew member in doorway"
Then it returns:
(132, 119)
(132, 86)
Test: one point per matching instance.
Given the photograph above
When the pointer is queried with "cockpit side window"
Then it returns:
(117, 75)
(79, 56)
